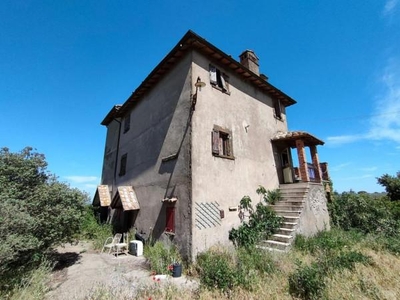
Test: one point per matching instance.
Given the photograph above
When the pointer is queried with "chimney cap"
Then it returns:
(248, 51)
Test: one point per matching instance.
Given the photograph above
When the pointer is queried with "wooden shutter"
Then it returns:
(215, 142)
(228, 145)
(213, 74)
(170, 219)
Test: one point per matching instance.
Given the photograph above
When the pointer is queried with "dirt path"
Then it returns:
(83, 273)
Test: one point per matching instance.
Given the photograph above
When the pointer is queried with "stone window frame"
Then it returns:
(222, 143)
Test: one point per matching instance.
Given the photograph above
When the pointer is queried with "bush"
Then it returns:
(361, 212)
(334, 239)
(161, 257)
(36, 213)
(92, 230)
(262, 223)
(217, 270)
(307, 282)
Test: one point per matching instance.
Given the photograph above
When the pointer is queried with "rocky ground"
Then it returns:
(85, 274)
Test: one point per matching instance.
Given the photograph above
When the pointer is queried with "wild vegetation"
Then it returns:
(359, 258)
(257, 223)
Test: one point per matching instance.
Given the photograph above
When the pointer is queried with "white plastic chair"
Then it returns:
(114, 244)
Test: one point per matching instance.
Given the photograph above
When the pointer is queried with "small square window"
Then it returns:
(122, 167)
(222, 143)
(127, 122)
(219, 79)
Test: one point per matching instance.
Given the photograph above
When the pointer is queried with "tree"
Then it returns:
(392, 185)
(37, 212)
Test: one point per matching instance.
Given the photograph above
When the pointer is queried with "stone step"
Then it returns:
(269, 248)
(293, 197)
(289, 225)
(285, 206)
(290, 219)
(275, 244)
(281, 238)
(293, 191)
(286, 231)
(288, 213)
(292, 202)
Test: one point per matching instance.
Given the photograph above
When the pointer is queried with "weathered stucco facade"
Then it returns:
(192, 140)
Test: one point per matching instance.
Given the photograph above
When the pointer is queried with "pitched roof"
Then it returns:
(290, 137)
(192, 41)
(102, 197)
(125, 198)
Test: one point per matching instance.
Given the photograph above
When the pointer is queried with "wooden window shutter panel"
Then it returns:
(213, 74)
(215, 142)
(170, 219)
(229, 146)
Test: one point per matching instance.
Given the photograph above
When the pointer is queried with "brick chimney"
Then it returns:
(249, 59)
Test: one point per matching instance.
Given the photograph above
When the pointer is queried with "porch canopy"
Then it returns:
(125, 198)
(299, 140)
(102, 197)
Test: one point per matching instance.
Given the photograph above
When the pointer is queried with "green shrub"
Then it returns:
(364, 213)
(307, 282)
(262, 222)
(92, 230)
(333, 239)
(217, 270)
(348, 259)
(161, 257)
(37, 213)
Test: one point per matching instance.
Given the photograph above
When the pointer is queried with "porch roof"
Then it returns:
(290, 137)
(125, 198)
(102, 197)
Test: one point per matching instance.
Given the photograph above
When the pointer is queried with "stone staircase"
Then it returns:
(290, 208)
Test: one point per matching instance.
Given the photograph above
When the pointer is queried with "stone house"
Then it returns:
(200, 132)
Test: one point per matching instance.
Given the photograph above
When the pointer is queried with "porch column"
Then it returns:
(301, 153)
(315, 161)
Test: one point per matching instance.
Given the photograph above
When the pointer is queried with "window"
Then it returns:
(222, 143)
(218, 79)
(122, 167)
(127, 122)
(277, 109)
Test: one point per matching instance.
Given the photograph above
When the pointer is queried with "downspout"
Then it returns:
(116, 154)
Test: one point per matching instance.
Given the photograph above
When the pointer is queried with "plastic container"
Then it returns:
(176, 270)
(136, 248)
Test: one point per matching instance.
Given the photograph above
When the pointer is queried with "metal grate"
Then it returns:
(207, 215)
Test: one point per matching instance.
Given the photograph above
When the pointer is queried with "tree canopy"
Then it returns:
(392, 185)
(37, 212)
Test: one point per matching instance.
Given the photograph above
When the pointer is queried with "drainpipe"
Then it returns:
(116, 154)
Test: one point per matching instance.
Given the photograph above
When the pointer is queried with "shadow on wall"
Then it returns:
(122, 221)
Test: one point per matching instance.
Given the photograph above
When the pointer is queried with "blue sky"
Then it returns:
(64, 64)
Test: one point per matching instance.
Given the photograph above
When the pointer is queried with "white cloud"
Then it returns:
(369, 169)
(389, 7)
(81, 179)
(343, 139)
(339, 167)
(385, 123)
(356, 177)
